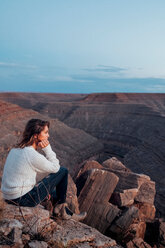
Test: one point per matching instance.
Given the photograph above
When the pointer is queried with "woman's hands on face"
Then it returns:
(43, 143)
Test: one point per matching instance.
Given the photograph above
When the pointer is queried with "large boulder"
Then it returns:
(94, 198)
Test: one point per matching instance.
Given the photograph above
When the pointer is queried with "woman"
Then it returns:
(24, 163)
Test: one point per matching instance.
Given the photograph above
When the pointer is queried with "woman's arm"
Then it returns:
(43, 164)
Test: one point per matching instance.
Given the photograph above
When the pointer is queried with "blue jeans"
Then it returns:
(55, 185)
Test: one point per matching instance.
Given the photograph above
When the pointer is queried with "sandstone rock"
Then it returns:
(146, 192)
(92, 164)
(71, 197)
(137, 230)
(55, 233)
(138, 243)
(38, 244)
(122, 223)
(75, 234)
(25, 237)
(162, 233)
(10, 232)
(142, 183)
(82, 245)
(94, 198)
(101, 216)
(34, 220)
(98, 187)
(114, 164)
(124, 199)
(146, 211)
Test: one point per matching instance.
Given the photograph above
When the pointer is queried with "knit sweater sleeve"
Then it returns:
(48, 163)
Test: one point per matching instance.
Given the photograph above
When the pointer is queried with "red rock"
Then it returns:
(125, 220)
(146, 211)
(124, 199)
(92, 164)
(138, 243)
(94, 198)
(114, 164)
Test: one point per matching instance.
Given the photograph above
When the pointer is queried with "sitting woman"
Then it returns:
(22, 165)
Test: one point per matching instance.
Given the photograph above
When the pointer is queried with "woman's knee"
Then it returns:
(64, 170)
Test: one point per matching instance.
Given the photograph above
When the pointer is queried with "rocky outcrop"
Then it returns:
(32, 227)
(119, 203)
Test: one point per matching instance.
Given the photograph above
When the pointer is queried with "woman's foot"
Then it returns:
(79, 217)
(62, 210)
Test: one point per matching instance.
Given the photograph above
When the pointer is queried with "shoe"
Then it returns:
(60, 211)
(79, 217)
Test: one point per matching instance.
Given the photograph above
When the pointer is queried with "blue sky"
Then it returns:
(82, 46)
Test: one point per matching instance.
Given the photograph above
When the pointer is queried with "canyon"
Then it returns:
(121, 134)
(97, 126)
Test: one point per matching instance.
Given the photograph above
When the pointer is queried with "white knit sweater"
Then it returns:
(21, 168)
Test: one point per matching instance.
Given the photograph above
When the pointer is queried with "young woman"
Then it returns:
(22, 165)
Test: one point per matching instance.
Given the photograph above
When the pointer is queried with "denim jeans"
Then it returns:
(55, 185)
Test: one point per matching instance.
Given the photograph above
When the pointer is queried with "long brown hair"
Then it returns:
(34, 126)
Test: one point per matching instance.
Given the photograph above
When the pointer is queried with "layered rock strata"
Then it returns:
(119, 203)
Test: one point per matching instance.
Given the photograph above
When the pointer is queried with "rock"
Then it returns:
(84, 173)
(38, 244)
(94, 198)
(76, 233)
(34, 220)
(82, 245)
(114, 164)
(146, 192)
(162, 233)
(124, 199)
(98, 187)
(55, 233)
(137, 230)
(71, 197)
(130, 180)
(10, 232)
(25, 237)
(142, 183)
(127, 218)
(146, 211)
(138, 243)
(102, 216)
(91, 164)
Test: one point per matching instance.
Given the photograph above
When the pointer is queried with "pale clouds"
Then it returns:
(16, 65)
(105, 68)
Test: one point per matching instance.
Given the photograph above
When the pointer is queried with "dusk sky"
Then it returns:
(75, 46)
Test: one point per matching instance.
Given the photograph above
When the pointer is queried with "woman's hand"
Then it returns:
(43, 143)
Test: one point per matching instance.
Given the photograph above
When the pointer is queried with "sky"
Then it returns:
(84, 46)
